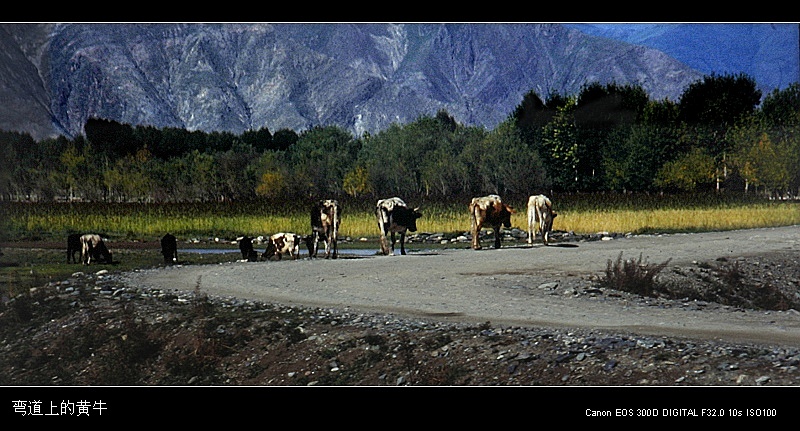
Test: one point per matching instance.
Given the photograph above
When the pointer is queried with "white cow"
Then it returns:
(540, 217)
(92, 247)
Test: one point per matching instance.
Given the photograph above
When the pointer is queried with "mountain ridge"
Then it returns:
(361, 77)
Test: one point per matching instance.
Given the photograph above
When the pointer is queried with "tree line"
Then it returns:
(720, 135)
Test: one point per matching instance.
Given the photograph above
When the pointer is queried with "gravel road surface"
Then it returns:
(517, 285)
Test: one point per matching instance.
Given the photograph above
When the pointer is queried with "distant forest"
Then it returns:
(718, 135)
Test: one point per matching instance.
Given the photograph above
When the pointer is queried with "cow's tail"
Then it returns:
(473, 218)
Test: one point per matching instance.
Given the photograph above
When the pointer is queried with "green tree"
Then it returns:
(73, 164)
(764, 162)
(272, 175)
(609, 106)
(687, 172)
(560, 150)
(320, 159)
(719, 101)
(782, 107)
(259, 140)
(356, 182)
(236, 177)
(127, 179)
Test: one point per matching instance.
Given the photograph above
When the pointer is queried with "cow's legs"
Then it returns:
(403, 243)
(393, 241)
(86, 253)
(476, 231)
(333, 244)
(317, 236)
(542, 218)
(385, 247)
(543, 229)
(497, 235)
(530, 231)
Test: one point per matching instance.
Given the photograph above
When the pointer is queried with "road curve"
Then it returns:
(505, 286)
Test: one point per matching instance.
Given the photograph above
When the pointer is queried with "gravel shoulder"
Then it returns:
(519, 285)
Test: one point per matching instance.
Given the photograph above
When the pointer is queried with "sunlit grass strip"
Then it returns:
(679, 220)
(52, 221)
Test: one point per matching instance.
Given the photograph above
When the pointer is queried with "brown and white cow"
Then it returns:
(394, 216)
(325, 218)
(93, 245)
(281, 244)
(540, 217)
(488, 211)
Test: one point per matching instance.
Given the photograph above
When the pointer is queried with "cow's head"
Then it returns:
(505, 215)
(103, 251)
(411, 220)
(269, 251)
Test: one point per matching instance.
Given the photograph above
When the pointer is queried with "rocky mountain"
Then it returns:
(362, 77)
(767, 52)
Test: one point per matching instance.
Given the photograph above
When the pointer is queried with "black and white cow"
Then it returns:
(282, 244)
(488, 211)
(169, 248)
(325, 219)
(394, 216)
(92, 246)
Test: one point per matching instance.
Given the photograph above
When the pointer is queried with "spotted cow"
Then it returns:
(93, 246)
(540, 218)
(325, 220)
(488, 211)
(281, 244)
(394, 216)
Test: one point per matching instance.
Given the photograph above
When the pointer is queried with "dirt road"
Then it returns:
(516, 285)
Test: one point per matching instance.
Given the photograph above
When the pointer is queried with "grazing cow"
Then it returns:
(280, 244)
(73, 246)
(394, 216)
(93, 245)
(488, 210)
(540, 217)
(246, 247)
(325, 218)
(169, 248)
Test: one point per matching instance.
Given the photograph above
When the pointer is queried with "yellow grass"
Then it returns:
(617, 220)
(677, 220)
(148, 222)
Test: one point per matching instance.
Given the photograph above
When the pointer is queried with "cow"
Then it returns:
(325, 219)
(93, 245)
(169, 248)
(394, 216)
(246, 247)
(488, 211)
(280, 244)
(540, 217)
(73, 246)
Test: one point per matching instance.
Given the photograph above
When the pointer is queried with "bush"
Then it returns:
(633, 276)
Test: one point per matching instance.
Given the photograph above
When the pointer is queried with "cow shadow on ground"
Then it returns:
(538, 245)
(563, 245)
